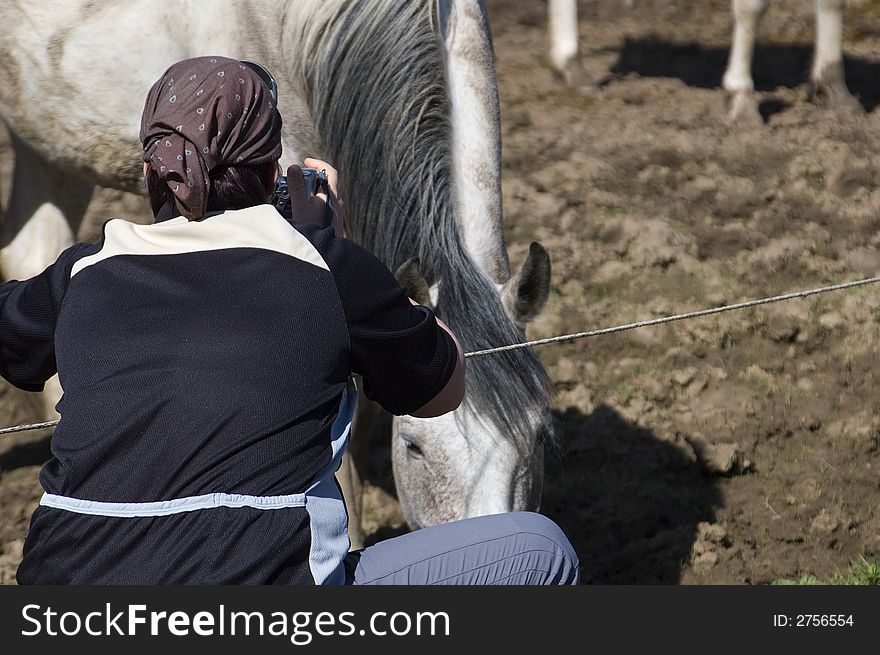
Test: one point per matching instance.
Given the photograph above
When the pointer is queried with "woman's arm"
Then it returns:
(386, 302)
(452, 394)
(28, 314)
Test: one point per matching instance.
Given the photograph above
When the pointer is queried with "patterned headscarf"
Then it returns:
(204, 113)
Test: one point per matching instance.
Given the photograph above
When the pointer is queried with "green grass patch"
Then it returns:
(860, 571)
(806, 580)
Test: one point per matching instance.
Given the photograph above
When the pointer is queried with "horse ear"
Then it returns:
(410, 277)
(525, 294)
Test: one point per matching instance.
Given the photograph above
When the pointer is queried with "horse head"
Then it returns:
(467, 463)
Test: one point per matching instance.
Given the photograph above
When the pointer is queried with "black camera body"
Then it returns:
(316, 182)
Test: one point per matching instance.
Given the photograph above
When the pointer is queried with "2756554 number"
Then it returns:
(824, 620)
(813, 620)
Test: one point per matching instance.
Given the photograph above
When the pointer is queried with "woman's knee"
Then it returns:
(532, 523)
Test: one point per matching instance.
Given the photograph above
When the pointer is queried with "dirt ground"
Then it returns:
(740, 448)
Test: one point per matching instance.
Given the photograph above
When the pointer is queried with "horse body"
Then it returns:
(52, 61)
(402, 98)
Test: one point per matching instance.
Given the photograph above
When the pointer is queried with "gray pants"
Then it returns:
(520, 548)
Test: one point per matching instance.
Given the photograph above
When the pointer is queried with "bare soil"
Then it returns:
(740, 448)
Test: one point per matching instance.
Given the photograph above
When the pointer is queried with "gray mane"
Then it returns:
(377, 85)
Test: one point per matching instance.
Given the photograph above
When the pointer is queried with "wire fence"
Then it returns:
(595, 333)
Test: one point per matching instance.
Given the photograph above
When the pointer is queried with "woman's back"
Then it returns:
(206, 404)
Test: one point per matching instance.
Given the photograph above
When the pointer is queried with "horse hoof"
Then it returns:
(835, 96)
(576, 77)
(744, 110)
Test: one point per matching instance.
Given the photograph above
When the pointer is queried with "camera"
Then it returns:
(316, 182)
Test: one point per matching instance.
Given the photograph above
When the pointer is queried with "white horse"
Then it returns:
(829, 86)
(401, 96)
(827, 75)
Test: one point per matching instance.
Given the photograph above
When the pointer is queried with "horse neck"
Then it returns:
(476, 132)
(279, 37)
(412, 122)
(509, 390)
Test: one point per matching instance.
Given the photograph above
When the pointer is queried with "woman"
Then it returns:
(206, 363)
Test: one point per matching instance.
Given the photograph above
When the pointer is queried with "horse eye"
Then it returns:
(412, 448)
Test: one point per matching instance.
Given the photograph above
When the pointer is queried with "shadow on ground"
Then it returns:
(629, 501)
(774, 66)
(30, 453)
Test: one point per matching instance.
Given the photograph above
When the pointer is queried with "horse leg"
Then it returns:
(45, 209)
(828, 82)
(353, 492)
(348, 475)
(563, 23)
(738, 77)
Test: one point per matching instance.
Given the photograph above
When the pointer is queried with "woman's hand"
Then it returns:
(307, 208)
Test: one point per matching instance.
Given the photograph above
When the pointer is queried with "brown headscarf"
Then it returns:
(204, 113)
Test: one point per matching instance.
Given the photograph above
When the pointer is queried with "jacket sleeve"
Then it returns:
(405, 358)
(28, 315)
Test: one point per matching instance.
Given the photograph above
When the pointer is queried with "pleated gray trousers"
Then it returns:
(518, 548)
